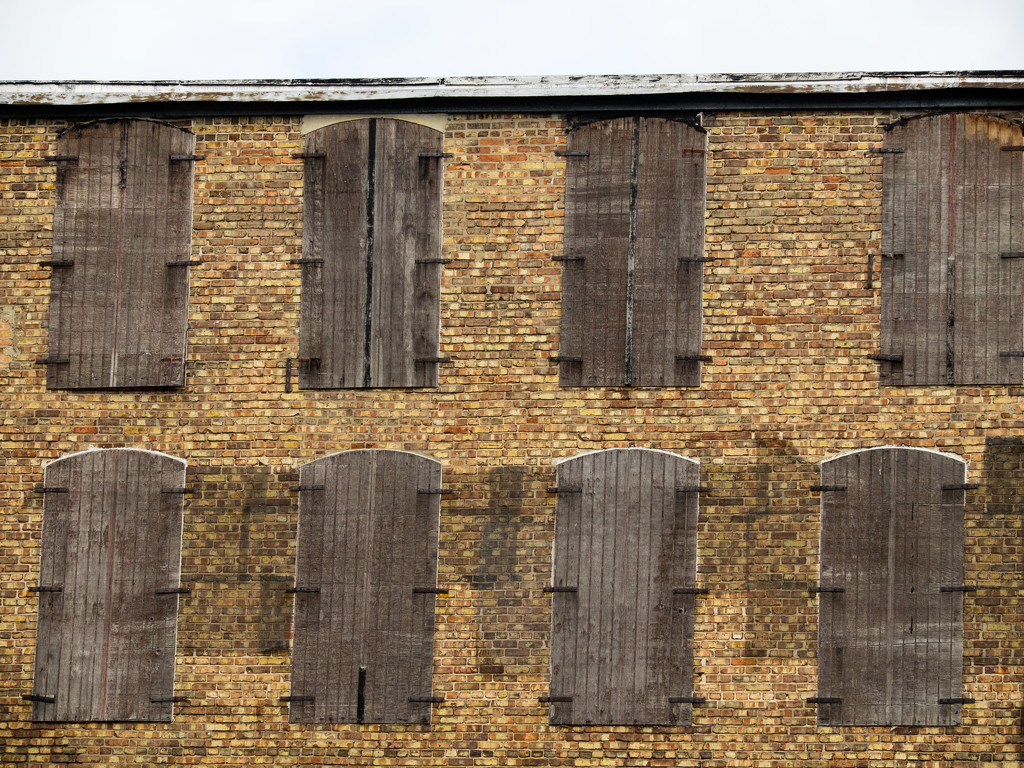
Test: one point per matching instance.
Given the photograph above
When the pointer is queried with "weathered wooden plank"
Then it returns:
(121, 215)
(373, 643)
(597, 227)
(668, 291)
(408, 204)
(112, 647)
(887, 643)
(950, 207)
(617, 647)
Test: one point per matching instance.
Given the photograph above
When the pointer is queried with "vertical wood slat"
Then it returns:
(670, 227)
(106, 643)
(123, 211)
(891, 642)
(597, 195)
(634, 209)
(366, 541)
(372, 208)
(952, 203)
(621, 644)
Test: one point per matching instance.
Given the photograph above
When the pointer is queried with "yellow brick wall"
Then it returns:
(794, 211)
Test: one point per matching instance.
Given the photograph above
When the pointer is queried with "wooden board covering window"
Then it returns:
(118, 312)
(111, 539)
(625, 540)
(952, 241)
(370, 307)
(890, 645)
(363, 641)
(632, 280)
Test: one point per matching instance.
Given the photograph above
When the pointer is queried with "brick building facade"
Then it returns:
(804, 358)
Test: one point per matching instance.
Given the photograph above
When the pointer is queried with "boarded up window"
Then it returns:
(371, 256)
(121, 240)
(363, 649)
(623, 597)
(953, 266)
(109, 575)
(632, 278)
(890, 640)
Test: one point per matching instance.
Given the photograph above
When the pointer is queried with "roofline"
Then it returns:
(527, 94)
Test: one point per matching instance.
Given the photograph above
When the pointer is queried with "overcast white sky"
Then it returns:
(229, 39)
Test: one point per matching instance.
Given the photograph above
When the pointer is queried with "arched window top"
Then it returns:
(141, 452)
(342, 121)
(883, 448)
(921, 122)
(610, 451)
(357, 454)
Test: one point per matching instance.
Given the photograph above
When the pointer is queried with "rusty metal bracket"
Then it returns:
(560, 589)
(694, 358)
(61, 158)
(572, 153)
(168, 699)
(309, 155)
(46, 589)
(693, 489)
(690, 591)
(306, 261)
(429, 591)
(820, 488)
(695, 700)
(51, 489)
(53, 360)
(288, 699)
(1012, 354)
(436, 154)
(568, 258)
(957, 701)
(437, 491)
(306, 488)
(57, 264)
(564, 359)
(825, 700)
(184, 263)
(962, 588)
(961, 487)
(173, 591)
(301, 590)
(886, 151)
(695, 259)
(40, 699)
(186, 158)
(882, 358)
(554, 699)
(436, 360)
(565, 489)
(177, 490)
(1013, 148)
(433, 261)
(827, 590)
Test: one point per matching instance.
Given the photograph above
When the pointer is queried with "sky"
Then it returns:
(312, 39)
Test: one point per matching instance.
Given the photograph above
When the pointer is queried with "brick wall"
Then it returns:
(794, 212)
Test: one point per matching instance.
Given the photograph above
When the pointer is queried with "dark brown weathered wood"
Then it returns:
(632, 280)
(622, 639)
(372, 214)
(123, 212)
(952, 205)
(105, 644)
(891, 640)
(363, 644)
(597, 227)
(669, 275)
